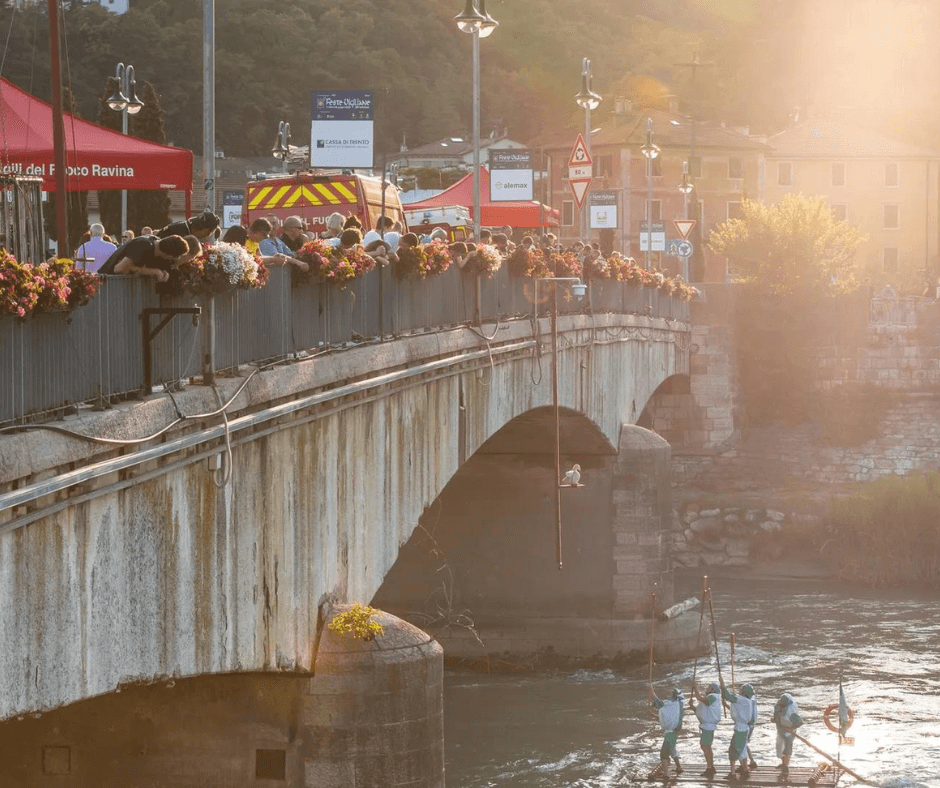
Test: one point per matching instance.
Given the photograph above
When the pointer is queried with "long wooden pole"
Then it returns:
(711, 610)
(698, 640)
(732, 660)
(842, 766)
(652, 635)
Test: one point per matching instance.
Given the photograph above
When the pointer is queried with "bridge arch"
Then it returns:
(333, 463)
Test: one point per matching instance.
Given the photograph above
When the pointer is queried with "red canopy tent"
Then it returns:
(493, 214)
(97, 158)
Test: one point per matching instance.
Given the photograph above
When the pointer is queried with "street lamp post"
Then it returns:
(124, 100)
(685, 186)
(587, 99)
(650, 150)
(281, 149)
(578, 289)
(474, 20)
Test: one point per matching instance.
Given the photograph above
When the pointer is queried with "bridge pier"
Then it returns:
(370, 716)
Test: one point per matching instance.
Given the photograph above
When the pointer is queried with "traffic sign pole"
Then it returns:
(580, 172)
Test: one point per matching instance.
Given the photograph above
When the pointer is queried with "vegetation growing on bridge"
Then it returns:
(887, 534)
(357, 622)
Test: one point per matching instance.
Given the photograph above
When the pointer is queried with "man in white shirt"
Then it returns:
(391, 237)
(95, 250)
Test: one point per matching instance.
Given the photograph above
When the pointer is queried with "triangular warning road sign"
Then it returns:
(579, 187)
(579, 153)
(684, 226)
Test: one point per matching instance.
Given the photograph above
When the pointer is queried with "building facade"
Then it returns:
(886, 188)
(725, 165)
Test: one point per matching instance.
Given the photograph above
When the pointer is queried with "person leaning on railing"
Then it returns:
(147, 255)
(202, 226)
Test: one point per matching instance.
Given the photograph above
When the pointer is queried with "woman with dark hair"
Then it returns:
(202, 226)
(409, 239)
(236, 234)
(350, 238)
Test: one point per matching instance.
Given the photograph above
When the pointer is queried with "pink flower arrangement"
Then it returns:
(421, 261)
(49, 286)
(332, 264)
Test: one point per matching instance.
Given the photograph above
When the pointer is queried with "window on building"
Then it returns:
(734, 210)
(656, 209)
(784, 173)
(695, 167)
(838, 174)
(603, 166)
(890, 259)
(735, 168)
(891, 175)
(657, 167)
(840, 212)
(567, 213)
(891, 217)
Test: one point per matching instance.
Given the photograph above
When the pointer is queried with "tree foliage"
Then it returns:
(793, 246)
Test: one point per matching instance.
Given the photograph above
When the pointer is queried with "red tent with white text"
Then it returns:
(97, 158)
(492, 214)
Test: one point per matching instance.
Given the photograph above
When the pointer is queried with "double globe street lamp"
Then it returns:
(587, 99)
(650, 150)
(124, 100)
(475, 21)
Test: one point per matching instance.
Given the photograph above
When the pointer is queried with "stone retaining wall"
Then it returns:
(723, 536)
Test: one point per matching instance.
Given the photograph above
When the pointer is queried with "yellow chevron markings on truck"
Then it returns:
(341, 188)
(330, 196)
(258, 196)
(293, 197)
(275, 201)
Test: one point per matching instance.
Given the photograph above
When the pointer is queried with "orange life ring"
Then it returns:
(835, 707)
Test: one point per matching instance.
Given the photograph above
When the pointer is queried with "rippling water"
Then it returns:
(590, 728)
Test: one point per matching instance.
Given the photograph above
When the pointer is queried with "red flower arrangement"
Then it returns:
(566, 264)
(438, 257)
(528, 262)
(484, 260)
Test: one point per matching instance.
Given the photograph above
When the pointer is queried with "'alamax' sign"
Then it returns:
(510, 175)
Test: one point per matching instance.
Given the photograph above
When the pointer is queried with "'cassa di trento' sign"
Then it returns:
(341, 128)
(510, 175)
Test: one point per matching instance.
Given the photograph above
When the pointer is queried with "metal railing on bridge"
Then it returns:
(52, 362)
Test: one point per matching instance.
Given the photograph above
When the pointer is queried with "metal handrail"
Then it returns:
(52, 363)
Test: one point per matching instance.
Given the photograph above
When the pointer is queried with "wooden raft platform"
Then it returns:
(823, 776)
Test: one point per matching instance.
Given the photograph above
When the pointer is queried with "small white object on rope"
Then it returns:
(572, 477)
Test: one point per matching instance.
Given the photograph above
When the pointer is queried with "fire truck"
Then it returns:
(455, 219)
(314, 195)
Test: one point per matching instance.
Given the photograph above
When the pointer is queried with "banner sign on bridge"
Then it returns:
(510, 175)
(602, 210)
(341, 128)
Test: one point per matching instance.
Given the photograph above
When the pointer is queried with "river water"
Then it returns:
(591, 728)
